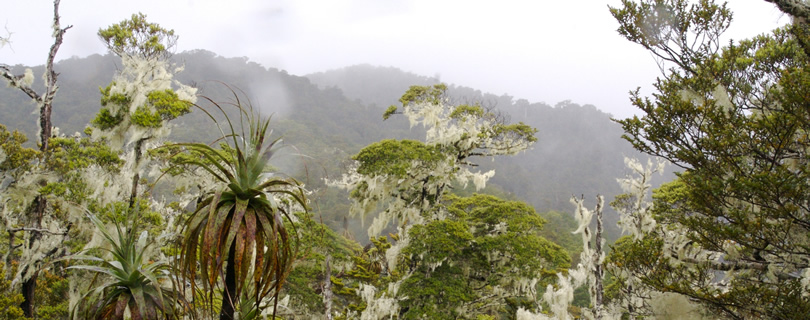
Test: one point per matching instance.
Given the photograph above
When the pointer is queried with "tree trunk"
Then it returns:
(599, 273)
(229, 296)
(800, 11)
(29, 286)
(45, 124)
(28, 289)
(327, 289)
(45, 102)
(135, 179)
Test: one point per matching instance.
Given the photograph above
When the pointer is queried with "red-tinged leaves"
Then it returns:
(239, 255)
(134, 311)
(210, 238)
(247, 216)
(258, 263)
(264, 261)
(249, 235)
(236, 223)
(120, 306)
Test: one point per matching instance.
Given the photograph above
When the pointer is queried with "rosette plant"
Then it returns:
(130, 281)
(240, 231)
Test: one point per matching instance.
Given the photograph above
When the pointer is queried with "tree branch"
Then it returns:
(15, 82)
(738, 265)
(795, 8)
(50, 80)
(6, 40)
(41, 231)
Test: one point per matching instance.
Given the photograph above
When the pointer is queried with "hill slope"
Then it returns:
(579, 149)
(331, 115)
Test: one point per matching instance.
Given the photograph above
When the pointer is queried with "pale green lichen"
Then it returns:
(28, 78)
(143, 95)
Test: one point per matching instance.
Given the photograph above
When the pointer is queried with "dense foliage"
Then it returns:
(452, 257)
(116, 222)
(733, 231)
(477, 260)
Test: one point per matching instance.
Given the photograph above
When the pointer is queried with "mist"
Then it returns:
(541, 52)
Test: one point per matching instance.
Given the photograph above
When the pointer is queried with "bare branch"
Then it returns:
(39, 230)
(6, 41)
(45, 101)
(50, 80)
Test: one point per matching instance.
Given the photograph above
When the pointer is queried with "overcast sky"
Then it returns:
(542, 51)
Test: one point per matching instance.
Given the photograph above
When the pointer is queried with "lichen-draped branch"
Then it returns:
(800, 11)
(44, 102)
(597, 289)
(795, 8)
(5, 40)
(40, 230)
(735, 121)
(18, 82)
(408, 178)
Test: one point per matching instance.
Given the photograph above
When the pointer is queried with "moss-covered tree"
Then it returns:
(44, 103)
(143, 97)
(408, 178)
(484, 259)
(734, 229)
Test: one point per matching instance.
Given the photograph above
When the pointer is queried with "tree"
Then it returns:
(409, 178)
(44, 102)
(559, 297)
(629, 294)
(243, 219)
(322, 254)
(24, 82)
(58, 175)
(140, 101)
(482, 259)
(734, 228)
(55, 185)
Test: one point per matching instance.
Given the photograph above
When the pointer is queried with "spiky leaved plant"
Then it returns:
(131, 282)
(239, 230)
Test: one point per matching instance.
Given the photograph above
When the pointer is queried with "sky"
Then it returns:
(541, 51)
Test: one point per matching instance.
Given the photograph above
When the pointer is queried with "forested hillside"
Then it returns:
(144, 184)
(579, 150)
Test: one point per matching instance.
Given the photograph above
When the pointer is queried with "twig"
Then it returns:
(40, 231)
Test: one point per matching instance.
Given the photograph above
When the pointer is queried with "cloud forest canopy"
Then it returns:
(728, 238)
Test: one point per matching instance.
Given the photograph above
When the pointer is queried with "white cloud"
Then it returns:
(541, 51)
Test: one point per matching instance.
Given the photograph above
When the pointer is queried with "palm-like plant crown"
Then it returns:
(132, 281)
(240, 229)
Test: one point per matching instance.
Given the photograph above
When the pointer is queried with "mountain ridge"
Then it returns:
(331, 115)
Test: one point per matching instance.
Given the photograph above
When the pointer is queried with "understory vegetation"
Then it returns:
(177, 200)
